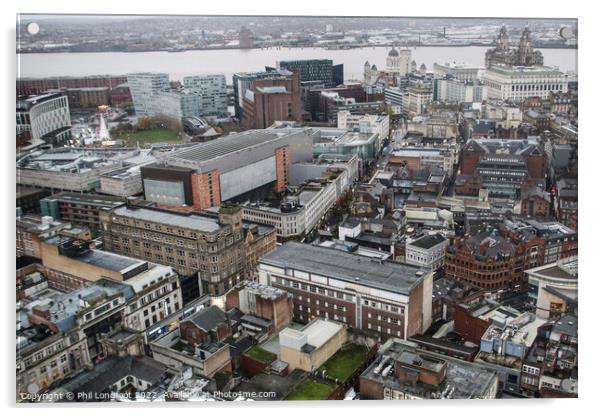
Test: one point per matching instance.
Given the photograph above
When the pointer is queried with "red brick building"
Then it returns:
(492, 261)
(271, 100)
(502, 166)
(207, 325)
(263, 301)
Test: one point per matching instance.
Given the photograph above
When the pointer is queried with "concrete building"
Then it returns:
(152, 95)
(299, 212)
(212, 92)
(47, 117)
(427, 251)
(310, 347)
(520, 83)
(79, 209)
(33, 229)
(453, 90)
(367, 123)
(231, 167)
(386, 298)
(68, 170)
(553, 287)
(311, 70)
(122, 182)
(338, 141)
(303, 171)
(192, 244)
(403, 371)
(458, 70)
(419, 95)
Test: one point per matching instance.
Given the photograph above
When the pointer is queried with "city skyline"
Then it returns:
(326, 210)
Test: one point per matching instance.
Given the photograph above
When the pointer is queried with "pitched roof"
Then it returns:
(208, 318)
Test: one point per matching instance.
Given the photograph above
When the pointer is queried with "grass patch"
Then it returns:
(160, 135)
(345, 362)
(260, 354)
(311, 390)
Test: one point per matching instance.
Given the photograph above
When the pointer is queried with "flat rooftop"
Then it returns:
(109, 261)
(231, 144)
(188, 221)
(353, 268)
(88, 199)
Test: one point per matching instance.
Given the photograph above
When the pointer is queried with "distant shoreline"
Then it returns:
(341, 48)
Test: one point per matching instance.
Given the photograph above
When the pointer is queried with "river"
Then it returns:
(229, 61)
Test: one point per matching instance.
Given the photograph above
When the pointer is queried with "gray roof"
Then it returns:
(113, 369)
(567, 325)
(229, 144)
(428, 241)
(208, 318)
(393, 277)
(108, 260)
(169, 218)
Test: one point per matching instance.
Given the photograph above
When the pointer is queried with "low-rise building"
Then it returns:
(553, 287)
(404, 372)
(299, 213)
(311, 346)
(263, 301)
(122, 182)
(517, 83)
(79, 209)
(427, 251)
(198, 342)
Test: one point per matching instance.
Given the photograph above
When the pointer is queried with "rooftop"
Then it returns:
(170, 218)
(352, 268)
(231, 144)
(428, 241)
(88, 199)
(463, 380)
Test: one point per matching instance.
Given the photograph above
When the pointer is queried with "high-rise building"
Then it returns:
(46, 117)
(153, 95)
(212, 92)
(271, 100)
(245, 38)
(243, 81)
(313, 70)
(143, 87)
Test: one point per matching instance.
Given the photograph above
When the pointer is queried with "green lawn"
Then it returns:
(260, 354)
(345, 362)
(151, 136)
(311, 390)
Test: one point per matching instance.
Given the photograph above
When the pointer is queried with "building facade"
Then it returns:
(385, 298)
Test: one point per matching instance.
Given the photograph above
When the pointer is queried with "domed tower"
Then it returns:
(503, 40)
(393, 60)
(423, 69)
(525, 55)
(413, 66)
